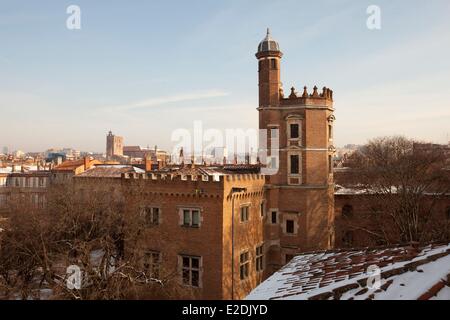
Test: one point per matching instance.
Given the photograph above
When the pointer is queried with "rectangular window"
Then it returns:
(41, 182)
(152, 263)
(152, 215)
(274, 63)
(274, 217)
(244, 213)
(330, 132)
(191, 218)
(190, 267)
(295, 131)
(262, 209)
(290, 226)
(244, 262)
(295, 168)
(259, 258)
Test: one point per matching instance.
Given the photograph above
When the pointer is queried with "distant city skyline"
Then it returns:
(146, 69)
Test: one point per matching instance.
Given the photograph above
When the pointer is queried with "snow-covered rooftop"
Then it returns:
(405, 273)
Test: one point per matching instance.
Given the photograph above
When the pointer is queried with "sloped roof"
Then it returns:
(406, 272)
(74, 164)
(211, 170)
(70, 165)
(109, 171)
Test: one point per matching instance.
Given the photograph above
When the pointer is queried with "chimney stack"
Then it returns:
(86, 162)
(148, 163)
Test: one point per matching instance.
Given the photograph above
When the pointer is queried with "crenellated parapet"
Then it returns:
(166, 177)
(324, 97)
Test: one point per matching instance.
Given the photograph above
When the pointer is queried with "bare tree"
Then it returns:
(401, 191)
(90, 226)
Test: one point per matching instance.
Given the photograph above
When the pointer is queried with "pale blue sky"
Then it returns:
(145, 68)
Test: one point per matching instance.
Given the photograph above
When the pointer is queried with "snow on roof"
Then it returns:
(406, 273)
(109, 171)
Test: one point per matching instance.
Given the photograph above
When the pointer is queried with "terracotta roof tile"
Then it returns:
(407, 272)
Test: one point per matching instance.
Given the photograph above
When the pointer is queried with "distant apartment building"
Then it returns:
(64, 172)
(21, 187)
(159, 158)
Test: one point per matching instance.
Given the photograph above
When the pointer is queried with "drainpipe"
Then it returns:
(233, 191)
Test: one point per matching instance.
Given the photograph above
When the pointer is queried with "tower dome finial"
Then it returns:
(268, 44)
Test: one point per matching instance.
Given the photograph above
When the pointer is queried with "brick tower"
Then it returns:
(299, 196)
(114, 146)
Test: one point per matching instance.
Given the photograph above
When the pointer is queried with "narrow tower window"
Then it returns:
(295, 164)
(273, 63)
(295, 132)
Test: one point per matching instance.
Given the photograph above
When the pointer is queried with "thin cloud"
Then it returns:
(179, 98)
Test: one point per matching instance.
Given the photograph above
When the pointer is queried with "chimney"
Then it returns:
(86, 162)
(148, 163)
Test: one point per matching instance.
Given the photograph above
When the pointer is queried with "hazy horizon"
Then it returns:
(145, 69)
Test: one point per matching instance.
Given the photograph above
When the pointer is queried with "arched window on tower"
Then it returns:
(259, 65)
(347, 211)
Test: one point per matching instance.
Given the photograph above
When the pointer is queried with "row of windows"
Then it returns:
(28, 182)
(244, 262)
(37, 200)
(289, 224)
(190, 217)
(191, 266)
(293, 132)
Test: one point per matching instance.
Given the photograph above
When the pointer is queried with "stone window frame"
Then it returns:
(190, 270)
(182, 223)
(277, 216)
(291, 217)
(144, 212)
(294, 119)
(247, 205)
(152, 264)
(298, 175)
(244, 265)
